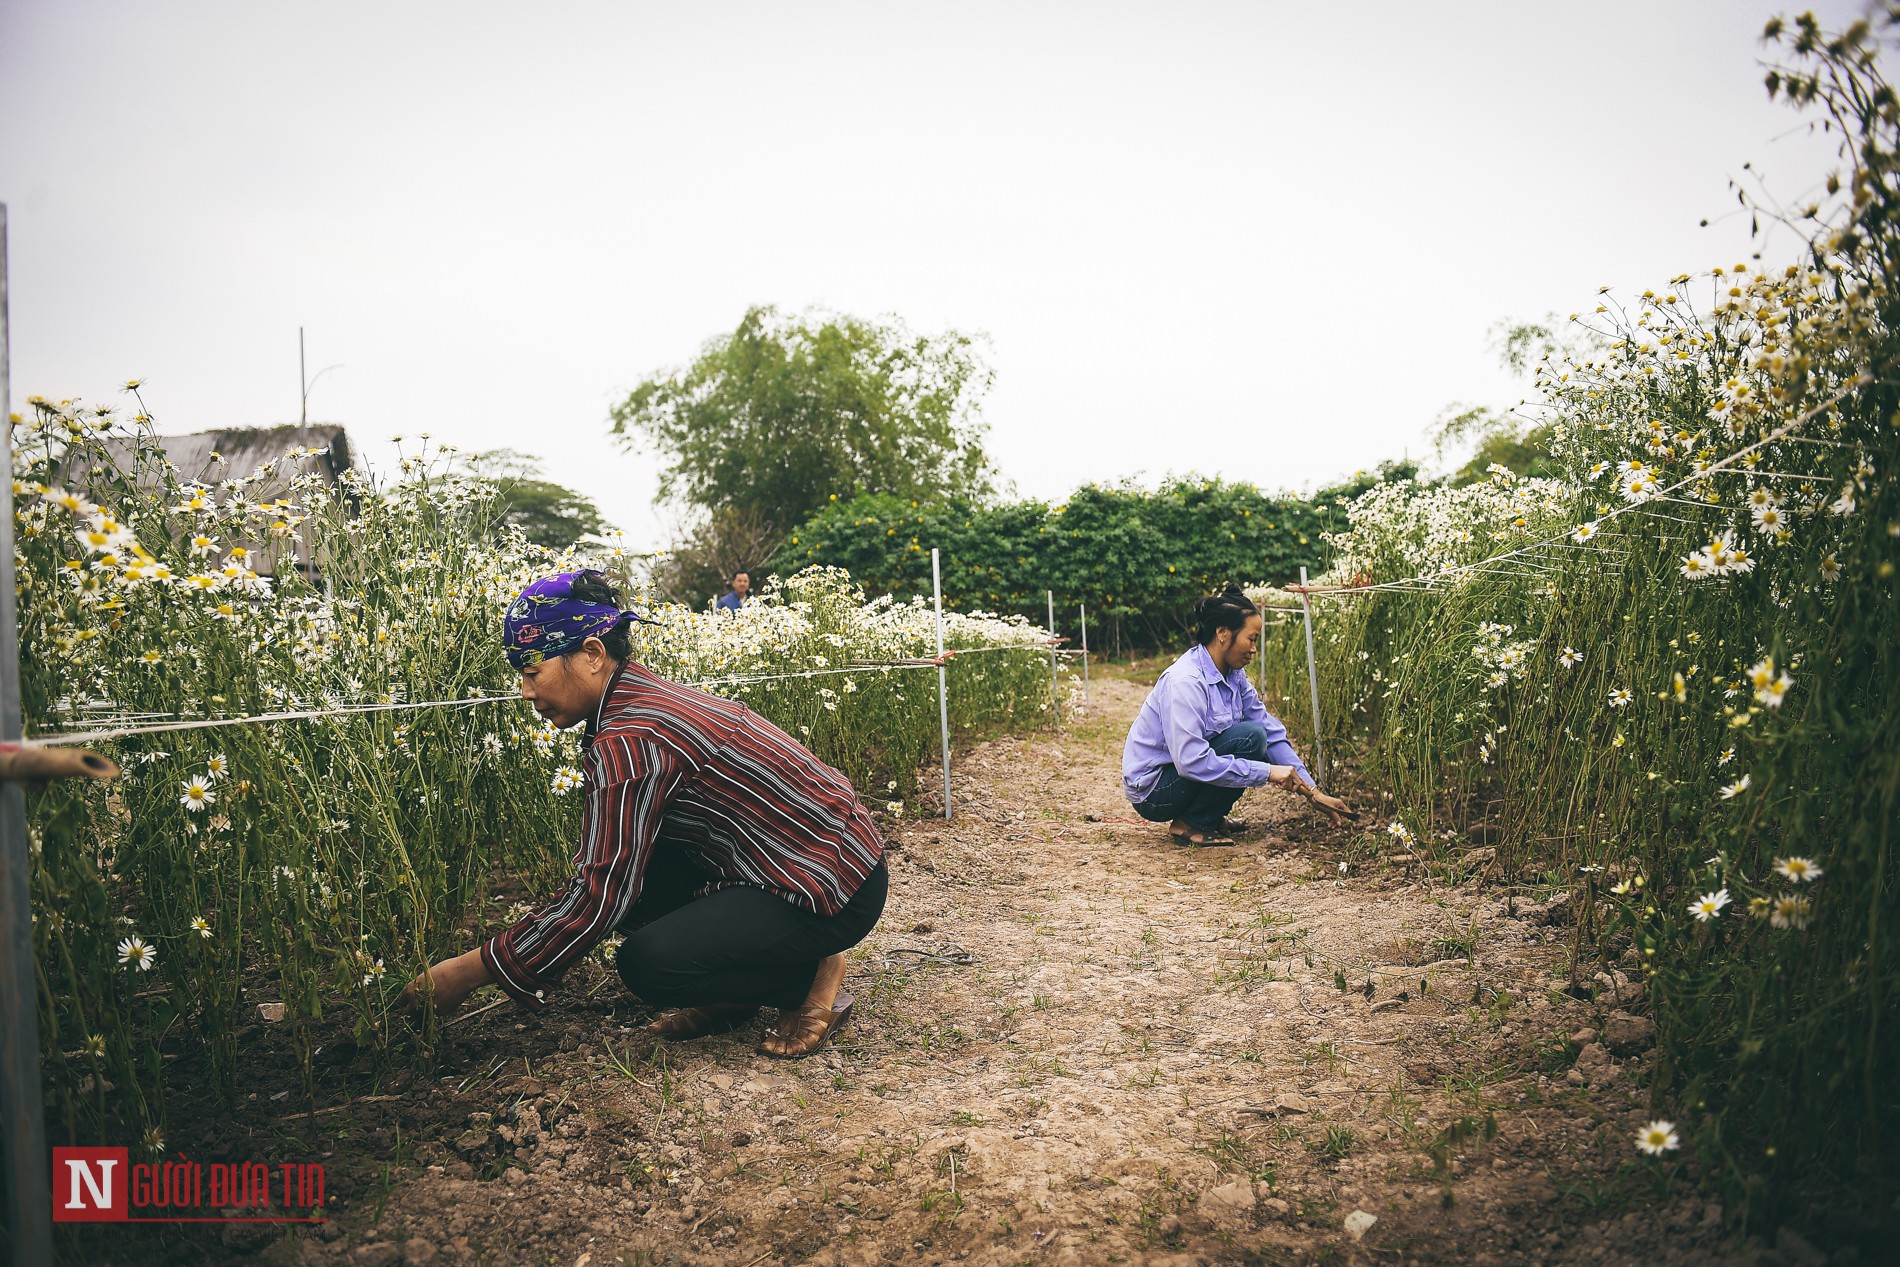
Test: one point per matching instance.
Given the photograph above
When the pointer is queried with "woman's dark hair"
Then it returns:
(1228, 609)
(594, 587)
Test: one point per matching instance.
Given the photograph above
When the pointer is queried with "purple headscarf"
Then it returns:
(546, 620)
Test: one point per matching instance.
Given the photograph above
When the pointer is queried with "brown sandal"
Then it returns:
(1212, 838)
(805, 1029)
(696, 1022)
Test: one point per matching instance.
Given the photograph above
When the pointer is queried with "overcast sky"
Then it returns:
(1261, 240)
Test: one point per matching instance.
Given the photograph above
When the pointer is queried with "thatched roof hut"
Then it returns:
(244, 449)
(211, 457)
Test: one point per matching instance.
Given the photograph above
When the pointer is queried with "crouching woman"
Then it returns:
(738, 865)
(1203, 737)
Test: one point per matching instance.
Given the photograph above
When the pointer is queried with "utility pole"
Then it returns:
(305, 382)
(29, 1198)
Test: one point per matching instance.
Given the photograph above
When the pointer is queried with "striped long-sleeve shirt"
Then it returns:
(675, 768)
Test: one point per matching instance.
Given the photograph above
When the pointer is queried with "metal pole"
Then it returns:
(943, 678)
(1088, 695)
(1055, 685)
(29, 1200)
(1260, 662)
(1312, 682)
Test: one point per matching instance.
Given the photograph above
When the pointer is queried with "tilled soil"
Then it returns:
(1075, 1042)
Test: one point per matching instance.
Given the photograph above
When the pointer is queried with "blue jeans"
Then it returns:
(1202, 806)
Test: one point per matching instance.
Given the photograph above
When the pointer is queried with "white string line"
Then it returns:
(1772, 475)
(63, 738)
(808, 673)
(1863, 379)
(101, 734)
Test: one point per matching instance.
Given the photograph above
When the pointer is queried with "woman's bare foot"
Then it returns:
(695, 1022)
(801, 1030)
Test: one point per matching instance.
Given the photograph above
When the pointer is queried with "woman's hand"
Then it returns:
(454, 980)
(1335, 808)
(1283, 776)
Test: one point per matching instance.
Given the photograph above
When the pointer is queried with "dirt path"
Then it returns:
(1155, 1055)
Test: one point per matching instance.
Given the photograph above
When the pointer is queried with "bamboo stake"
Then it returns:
(943, 679)
(1055, 687)
(1088, 695)
(1312, 682)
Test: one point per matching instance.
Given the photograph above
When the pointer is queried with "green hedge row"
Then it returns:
(1137, 557)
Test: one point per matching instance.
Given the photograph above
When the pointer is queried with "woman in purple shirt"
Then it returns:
(1203, 737)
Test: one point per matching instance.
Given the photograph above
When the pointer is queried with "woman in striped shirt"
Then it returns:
(738, 865)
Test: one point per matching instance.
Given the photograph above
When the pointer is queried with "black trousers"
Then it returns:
(739, 945)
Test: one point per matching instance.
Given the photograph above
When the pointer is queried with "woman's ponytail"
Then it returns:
(1228, 609)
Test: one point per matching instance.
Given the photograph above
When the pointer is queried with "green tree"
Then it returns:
(1499, 440)
(773, 419)
(547, 513)
(704, 556)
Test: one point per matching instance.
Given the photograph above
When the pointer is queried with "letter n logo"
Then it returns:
(89, 1185)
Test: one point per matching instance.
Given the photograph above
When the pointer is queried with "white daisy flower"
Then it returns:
(72, 503)
(1800, 870)
(197, 793)
(134, 953)
(1709, 905)
(1789, 911)
(1657, 1138)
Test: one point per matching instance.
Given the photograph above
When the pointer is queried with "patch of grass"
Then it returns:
(1457, 943)
(1233, 1154)
(1326, 1053)
(1462, 1131)
(1336, 1145)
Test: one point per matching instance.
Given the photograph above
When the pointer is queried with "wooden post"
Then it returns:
(29, 1200)
(943, 678)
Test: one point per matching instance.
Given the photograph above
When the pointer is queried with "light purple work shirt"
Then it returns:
(1193, 702)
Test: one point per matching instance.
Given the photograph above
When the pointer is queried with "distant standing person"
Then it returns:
(1203, 737)
(734, 598)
